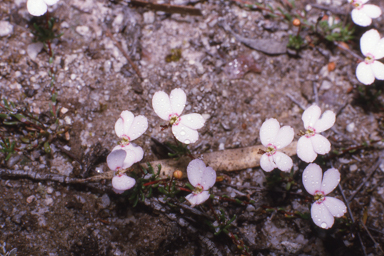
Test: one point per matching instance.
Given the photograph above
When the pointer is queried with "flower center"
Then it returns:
(198, 189)
(271, 150)
(174, 119)
(369, 59)
(357, 4)
(319, 197)
(310, 132)
(124, 140)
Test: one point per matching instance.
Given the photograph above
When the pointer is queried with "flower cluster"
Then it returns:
(39, 7)
(127, 128)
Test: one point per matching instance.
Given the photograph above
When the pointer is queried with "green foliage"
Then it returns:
(179, 148)
(44, 34)
(222, 224)
(7, 147)
(174, 55)
(295, 42)
(336, 31)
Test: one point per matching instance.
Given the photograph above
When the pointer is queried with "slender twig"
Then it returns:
(325, 8)
(370, 173)
(295, 101)
(348, 50)
(377, 245)
(353, 220)
(315, 92)
(118, 45)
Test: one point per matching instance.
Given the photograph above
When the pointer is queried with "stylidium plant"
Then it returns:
(39, 7)
(121, 181)
(312, 142)
(128, 128)
(363, 13)
(372, 48)
(325, 208)
(274, 138)
(169, 108)
(202, 178)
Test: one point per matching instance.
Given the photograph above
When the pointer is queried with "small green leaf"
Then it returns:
(47, 148)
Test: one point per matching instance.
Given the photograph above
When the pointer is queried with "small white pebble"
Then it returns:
(63, 110)
(350, 127)
(353, 168)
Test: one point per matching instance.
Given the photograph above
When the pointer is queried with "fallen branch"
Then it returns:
(168, 7)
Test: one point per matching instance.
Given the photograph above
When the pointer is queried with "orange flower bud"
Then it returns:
(178, 174)
(296, 22)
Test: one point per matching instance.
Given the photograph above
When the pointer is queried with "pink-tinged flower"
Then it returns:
(121, 181)
(128, 128)
(312, 143)
(169, 108)
(372, 48)
(202, 178)
(275, 138)
(39, 7)
(363, 13)
(325, 208)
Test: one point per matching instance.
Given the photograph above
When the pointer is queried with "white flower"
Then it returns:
(128, 128)
(372, 48)
(115, 161)
(169, 108)
(325, 208)
(274, 138)
(363, 13)
(39, 7)
(202, 178)
(312, 143)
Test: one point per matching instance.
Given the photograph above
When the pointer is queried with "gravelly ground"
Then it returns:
(95, 82)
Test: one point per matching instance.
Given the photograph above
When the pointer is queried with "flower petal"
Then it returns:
(310, 116)
(51, 2)
(320, 144)
(130, 157)
(193, 121)
(266, 163)
(326, 121)
(115, 159)
(335, 206)
(123, 182)
(123, 123)
(378, 69)
(372, 11)
(195, 172)
(209, 178)
(36, 7)
(283, 162)
(139, 152)
(178, 100)
(305, 150)
(330, 180)
(364, 73)
(284, 137)
(138, 127)
(268, 131)
(162, 105)
(378, 52)
(197, 199)
(312, 175)
(360, 18)
(369, 40)
(185, 134)
(321, 216)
